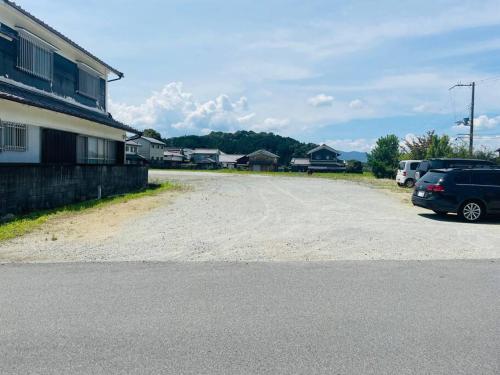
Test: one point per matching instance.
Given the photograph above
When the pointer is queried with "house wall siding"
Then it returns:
(32, 153)
(26, 188)
(145, 148)
(65, 76)
(321, 155)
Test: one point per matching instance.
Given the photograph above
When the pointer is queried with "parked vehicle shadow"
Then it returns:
(490, 220)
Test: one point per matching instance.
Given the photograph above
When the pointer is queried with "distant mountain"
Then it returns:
(354, 155)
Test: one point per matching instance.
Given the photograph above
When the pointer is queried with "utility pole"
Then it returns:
(469, 122)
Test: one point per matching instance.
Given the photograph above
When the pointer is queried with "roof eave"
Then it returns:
(124, 127)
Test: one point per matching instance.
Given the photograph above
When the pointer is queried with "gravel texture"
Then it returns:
(230, 217)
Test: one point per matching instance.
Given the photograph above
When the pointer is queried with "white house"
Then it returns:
(229, 160)
(152, 149)
(53, 97)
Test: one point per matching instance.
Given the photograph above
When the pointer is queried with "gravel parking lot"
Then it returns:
(229, 217)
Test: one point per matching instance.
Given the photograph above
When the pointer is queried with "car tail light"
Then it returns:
(435, 188)
(404, 174)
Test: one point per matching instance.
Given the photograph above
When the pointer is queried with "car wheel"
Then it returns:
(472, 211)
(441, 213)
(409, 183)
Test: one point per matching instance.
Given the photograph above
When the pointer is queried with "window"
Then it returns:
(34, 56)
(413, 166)
(13, 136)
(402, 166)
(462, 178)
(88, 83)
(486, 178)
(91, 150)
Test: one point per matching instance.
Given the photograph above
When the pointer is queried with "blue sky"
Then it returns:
(340, 72)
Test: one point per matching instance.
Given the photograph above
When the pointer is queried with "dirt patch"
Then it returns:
(91, 226)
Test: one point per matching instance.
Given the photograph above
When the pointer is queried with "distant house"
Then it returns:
(205, 158)
(151, 149)
(320, 159)
(300, 164)
(259, 161)
(498, 152)
(173, 158)
(229, 160)
(132, 155)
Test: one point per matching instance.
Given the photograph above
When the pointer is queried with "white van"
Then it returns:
(406, 172)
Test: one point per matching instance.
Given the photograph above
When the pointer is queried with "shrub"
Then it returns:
(384, 158)
(354, 166)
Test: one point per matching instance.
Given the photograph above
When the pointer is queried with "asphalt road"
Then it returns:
(378, 317)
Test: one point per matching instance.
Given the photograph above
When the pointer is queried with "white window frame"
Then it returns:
(18, 140)
(35, 56)
(89, 84)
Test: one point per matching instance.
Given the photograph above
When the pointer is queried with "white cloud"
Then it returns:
(356, 104)
(346, 145)
(173, 108)
(320, 100)
(485, 122)
(271, 124)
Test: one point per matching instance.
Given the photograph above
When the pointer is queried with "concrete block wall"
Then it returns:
(27, 188)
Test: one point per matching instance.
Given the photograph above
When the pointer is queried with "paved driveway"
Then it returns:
(257, 218)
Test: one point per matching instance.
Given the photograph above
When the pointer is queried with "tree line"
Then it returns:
(388, 151)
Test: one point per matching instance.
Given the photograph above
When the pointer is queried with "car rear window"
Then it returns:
(423, 166)
(437, 164)
(413, 166)
(433, 177)
(402, 165)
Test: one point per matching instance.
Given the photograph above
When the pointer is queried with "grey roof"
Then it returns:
(133, 143)
(263, 152)
(229, 158)
(300, 161)
(153, 140)
(323, 147)
(206, 161)
(170, 153)
(60, 35)
(37, 99)
(206, 151)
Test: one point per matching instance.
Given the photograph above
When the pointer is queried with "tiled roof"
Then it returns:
(229, 158)
(300, 161)
(60, 35)
(206, 151)
(323, 147)
(153, 140)
(36, 99)
(263, 152)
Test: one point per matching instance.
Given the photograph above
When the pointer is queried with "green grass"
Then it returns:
(27, 223)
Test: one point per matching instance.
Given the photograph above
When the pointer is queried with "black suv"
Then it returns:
(471, 193)
(443, 163)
